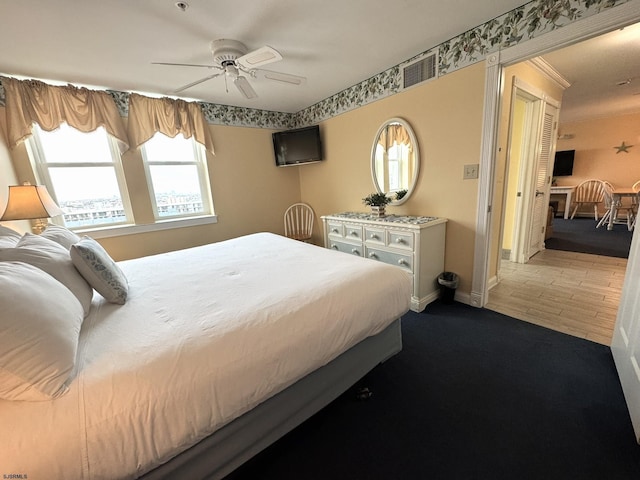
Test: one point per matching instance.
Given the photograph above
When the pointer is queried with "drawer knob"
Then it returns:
(354, 233)
(403, 262)
(373, 255)
(334, 230)
(334, 246)
(374, 236)
(355, 251)
(400, 240)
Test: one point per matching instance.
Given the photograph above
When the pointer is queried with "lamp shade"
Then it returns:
(27, 202)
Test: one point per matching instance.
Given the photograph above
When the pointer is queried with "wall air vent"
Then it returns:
(418, 71)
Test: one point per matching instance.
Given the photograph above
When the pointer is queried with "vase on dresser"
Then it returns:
(378, 211)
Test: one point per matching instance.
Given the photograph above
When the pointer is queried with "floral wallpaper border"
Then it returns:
(528, 21)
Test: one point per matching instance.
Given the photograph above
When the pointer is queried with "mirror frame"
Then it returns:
(416, 154)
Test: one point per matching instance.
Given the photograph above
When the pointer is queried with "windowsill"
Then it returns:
(121, 230)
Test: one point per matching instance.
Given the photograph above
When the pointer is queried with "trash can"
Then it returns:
(448, 283)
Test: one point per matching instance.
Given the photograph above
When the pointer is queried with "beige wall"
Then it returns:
(594, 142)
(250, 193)
(446, 116)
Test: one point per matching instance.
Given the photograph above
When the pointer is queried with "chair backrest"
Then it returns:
(590, 191)
(608, 197)
(298, 221)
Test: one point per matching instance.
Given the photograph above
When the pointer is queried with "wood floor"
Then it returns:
(574, 293)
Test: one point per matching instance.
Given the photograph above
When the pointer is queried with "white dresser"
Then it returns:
(415, 244)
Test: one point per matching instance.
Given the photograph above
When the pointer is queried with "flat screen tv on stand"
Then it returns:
(563, 163)
(297, 147)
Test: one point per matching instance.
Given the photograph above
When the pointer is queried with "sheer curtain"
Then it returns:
(168, 116)
(33, 101)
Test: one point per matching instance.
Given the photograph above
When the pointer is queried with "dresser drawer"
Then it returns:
(346, 247)
(353, 232)
(374, 236)
(398, 259)
(335, 229)
(401, 240)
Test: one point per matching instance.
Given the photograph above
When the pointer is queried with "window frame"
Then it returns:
(199, 160)
(41, 168)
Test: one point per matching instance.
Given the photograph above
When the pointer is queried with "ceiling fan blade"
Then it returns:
(245, 88)
(197, 82)
(185, 65)
(283, 77)
(259, 57)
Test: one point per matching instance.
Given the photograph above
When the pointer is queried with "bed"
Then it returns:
(216, 352)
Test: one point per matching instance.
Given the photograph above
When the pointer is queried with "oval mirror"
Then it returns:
(395, 160)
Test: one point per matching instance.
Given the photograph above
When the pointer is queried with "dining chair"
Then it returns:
(298, 222)
(615, 207)
(634, 200)
(589, 192)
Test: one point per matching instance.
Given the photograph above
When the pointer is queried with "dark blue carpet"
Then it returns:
(473, 395)
(581, 235)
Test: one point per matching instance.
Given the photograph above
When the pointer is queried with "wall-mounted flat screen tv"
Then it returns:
(563, 164)
(298, 146)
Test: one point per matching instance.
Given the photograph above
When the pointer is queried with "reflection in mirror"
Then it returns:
(395, 160)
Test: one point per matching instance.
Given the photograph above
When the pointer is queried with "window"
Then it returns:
(83, 173)
(177, 175)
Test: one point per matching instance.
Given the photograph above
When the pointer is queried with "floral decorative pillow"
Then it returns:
(99, 269)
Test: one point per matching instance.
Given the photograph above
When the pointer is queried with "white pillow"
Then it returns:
(8, 238)
(61, 235)
(55, 260)
(39, 329)
(99, 269)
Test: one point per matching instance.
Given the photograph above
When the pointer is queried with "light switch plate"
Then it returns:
(471, 171)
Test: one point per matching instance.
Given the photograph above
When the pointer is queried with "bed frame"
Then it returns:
(219, 454)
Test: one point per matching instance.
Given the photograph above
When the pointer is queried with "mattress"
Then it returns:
(206, 335)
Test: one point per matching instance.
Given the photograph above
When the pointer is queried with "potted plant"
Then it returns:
(400, 194)
(377, 201)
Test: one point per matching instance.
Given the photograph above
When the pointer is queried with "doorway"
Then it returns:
(533, 121)
(485, 254)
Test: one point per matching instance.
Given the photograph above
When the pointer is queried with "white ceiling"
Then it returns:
(334, 43)
(604, 73)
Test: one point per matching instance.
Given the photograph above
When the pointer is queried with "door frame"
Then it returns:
(528, 157)
(593, 26)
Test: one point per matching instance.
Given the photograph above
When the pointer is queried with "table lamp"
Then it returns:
(30, 202)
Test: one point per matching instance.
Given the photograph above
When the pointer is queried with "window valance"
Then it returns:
(393, 134)
(33, 101)
(168, 116)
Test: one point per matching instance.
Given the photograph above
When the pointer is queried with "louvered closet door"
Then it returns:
(542, 181)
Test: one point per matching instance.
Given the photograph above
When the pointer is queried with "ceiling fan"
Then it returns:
(232, 61)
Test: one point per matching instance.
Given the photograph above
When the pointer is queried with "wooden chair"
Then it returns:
(615, 208)
(298, 222)
(634, 200)
(589, 192)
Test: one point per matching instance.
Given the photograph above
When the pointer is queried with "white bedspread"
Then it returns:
(206, 334)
